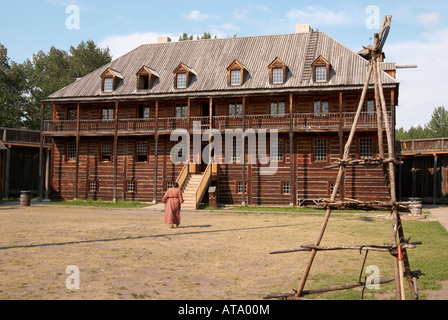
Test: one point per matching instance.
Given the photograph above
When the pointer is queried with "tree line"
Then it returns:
(437, 127)
(24, 85)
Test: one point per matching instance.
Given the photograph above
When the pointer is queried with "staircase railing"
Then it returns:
(206, 178)
(183, 175)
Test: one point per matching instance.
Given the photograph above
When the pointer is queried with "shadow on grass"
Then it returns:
(171, 234)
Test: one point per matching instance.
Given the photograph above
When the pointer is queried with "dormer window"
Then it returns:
(181, 80)
(277, 75)
(183, 75)
(235, 77)
(146, 78)
(108, 84)
(321, 70)
(110, 79)
(277, 72)
(236, 73)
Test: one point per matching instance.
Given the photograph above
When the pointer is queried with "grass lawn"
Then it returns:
(128, 253)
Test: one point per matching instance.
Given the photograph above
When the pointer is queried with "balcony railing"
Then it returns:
(422, 146)
(300, 121)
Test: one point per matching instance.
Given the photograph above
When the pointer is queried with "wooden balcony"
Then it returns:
(301, 122)
(21, 137)
(422, 146)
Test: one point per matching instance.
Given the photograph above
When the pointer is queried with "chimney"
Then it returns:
(303, 28)
(163, 39)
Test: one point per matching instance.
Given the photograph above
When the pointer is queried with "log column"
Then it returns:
(75, 197)
(41, 155)
(243, 155)
(115, 153)
(292, 156)
(156, 153)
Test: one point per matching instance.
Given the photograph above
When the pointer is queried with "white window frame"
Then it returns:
(235, 77)
(366, 148)
(321, 150)
(240, 187)
(279, 145)
(277, 75)
(131, 186)
(321, 106)
(181, 80)
(321, 74)
(286, 188)
(108, 84)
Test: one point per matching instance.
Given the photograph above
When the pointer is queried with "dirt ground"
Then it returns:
(131, 254)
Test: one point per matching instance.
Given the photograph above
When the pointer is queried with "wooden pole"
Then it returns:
(338, 181)
(292, 157)
(434, 185)
(243, 154)
(115, 153)
(41, 155)
(156, 153)
(75, 197)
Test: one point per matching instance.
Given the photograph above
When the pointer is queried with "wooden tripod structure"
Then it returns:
(399, 246)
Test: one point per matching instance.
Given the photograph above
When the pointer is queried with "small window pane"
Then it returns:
(332, 189)
(106, 151)
(108, 84)
(131, 186)
(277, 75)
(235, 109)
(235, 77)
(286, 188)
(181, 111)
(169, 185)
(366, 148)
(321, 106)
(278, 146)
(320, 150)
(370, 105)
(142, 151)
(108, 113)
(321, 74)
(182, 80)
(93, 185)
(71, 151)
(241, 187)
(237, 151)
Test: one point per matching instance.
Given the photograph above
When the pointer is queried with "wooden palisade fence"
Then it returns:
(399, 246)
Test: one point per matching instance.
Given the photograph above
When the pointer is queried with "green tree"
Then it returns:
(11, 85)
(438, 125)
(186, 37)
(47, 72)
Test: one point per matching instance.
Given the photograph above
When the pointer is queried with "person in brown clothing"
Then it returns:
(173, 199)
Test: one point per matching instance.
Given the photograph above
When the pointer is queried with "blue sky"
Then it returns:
(419, 33)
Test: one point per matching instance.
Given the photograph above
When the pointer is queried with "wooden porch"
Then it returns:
(300, 122)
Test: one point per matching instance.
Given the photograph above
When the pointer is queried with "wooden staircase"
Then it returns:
(189, 189)
(194, 186)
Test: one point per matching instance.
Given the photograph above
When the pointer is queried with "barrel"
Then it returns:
(415, 206)
(25, 198)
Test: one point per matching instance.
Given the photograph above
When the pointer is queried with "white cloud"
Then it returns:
(424, 88)
(429, 19)
(197, 15)
(318, 15)
(222, 31)
(122, 44)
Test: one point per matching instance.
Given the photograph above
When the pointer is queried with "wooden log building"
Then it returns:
(424, 172)
(111, 129)
(21, 166)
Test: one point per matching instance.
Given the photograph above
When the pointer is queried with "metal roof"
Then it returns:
(210, 58)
